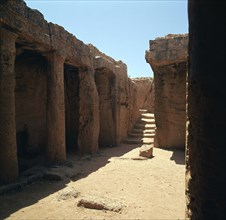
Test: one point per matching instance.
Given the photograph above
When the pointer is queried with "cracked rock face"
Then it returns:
(168, 59)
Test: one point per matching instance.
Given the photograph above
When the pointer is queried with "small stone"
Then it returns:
(139, 158)
(74, 175)
(34, 171)
(146, 151)
(67, 164)
(100, 204)
(67, 194)
(52, 176)
(86, 157)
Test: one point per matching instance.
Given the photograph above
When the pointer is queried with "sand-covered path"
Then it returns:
(147, 189)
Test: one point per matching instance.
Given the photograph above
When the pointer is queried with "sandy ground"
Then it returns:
(147, 189)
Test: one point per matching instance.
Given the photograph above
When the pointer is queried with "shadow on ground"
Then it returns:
(30, 194)
(178, 156)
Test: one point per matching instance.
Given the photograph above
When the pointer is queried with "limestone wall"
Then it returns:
(133, 109)
(123, 96)
(206, 112)
(69, 96)
(168, 59)
(145, 93)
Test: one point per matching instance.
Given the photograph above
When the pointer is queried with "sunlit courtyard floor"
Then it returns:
(147, 189)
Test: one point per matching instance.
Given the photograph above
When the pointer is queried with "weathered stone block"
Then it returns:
(67, 194)
(146, 151)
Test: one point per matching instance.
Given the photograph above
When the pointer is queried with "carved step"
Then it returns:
(141, 135)
(143, 131)
(133, 141)
(138, 131)
(143, 110)
(148, 140)
(149, 131)
(135, 135)
(145, 126)
(147, 115)
(139, 140)
(146, 121)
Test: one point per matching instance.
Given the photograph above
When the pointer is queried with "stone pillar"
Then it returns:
(168, 59)
(105, 83)
(56, 150)
(8, 147)
(117, 109)
(122, 102)
(89, 124)
(206, 111)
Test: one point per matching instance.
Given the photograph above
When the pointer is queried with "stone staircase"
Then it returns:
(144, 130)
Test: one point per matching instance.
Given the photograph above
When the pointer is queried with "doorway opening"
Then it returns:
(30, 107)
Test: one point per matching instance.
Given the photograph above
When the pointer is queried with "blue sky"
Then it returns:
(120, 29)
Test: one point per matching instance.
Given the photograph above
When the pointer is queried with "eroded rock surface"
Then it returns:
(168, 59)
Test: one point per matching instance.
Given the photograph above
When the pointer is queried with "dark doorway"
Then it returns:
(30, 105)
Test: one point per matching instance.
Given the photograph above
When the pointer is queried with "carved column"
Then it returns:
(118, 105)
(56, 150)
(115, 110)
(8, 147)
(89, 124)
